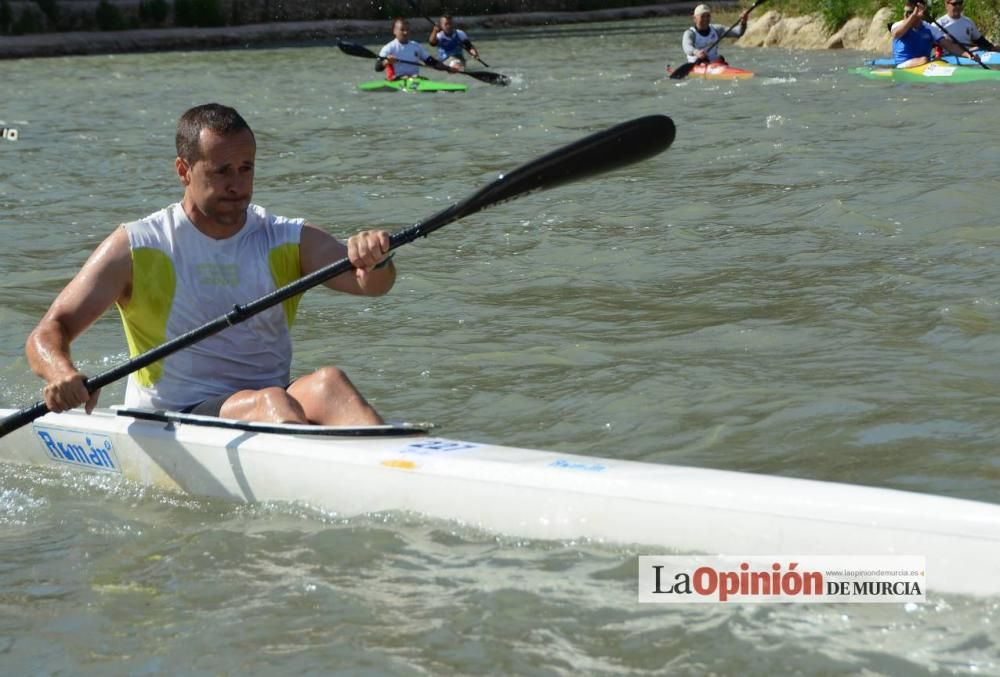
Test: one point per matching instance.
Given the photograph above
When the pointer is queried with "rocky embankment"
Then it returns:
(808, 32)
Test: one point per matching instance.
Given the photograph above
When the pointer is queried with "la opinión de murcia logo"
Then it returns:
(784, 579)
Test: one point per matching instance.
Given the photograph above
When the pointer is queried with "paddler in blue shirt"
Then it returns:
(402, 49)
(451, 42)
(704, 34)
(913, 38)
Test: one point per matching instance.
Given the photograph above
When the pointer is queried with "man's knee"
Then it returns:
(272, 393)
(331, 379)
(272, 405)
(274, 399)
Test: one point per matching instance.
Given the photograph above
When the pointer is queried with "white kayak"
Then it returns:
(523, 492)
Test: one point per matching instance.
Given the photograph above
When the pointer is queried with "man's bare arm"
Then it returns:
(104, 279)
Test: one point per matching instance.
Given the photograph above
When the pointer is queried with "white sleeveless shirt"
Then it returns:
(182, 279)
(692, 40)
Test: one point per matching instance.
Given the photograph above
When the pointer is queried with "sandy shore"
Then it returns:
(255, 35)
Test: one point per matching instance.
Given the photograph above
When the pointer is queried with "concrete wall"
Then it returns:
(79, 13)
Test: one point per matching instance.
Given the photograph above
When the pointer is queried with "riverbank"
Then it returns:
(303, 32)
(772, 29)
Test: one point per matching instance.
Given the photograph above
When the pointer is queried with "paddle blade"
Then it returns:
(682, 71)
(354, 49)
(598, 153)
(601, 152)
(487, 76)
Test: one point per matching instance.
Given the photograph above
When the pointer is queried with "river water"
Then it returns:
(804, 285)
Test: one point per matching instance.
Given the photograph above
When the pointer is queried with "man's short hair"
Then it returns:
(220, 119)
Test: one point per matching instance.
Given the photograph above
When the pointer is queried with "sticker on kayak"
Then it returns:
(84, 450)
(576, 465)
(400, 464)
(437, 446)
(937, 70)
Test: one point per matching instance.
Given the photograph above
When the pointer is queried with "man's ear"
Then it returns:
(183, 171)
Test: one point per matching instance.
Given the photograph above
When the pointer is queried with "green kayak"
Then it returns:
(935, 71)
(416, 84)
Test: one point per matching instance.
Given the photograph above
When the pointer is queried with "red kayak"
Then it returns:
(717, 71)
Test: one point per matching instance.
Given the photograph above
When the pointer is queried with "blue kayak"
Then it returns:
(991, 59)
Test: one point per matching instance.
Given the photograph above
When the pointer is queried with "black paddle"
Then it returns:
(354, 49)
(413, 4)
(614, 147)
(684, 69)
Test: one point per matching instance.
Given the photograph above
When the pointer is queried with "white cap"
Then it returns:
(702, 9)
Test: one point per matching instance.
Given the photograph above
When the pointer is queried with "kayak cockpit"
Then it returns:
(174, 417)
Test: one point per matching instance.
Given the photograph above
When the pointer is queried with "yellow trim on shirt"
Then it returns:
(285, 269)
(145, 317)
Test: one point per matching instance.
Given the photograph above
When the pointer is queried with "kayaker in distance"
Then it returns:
(913, 39)
(451, 42)
(402, 49)
(963, 28)
(190, 263)
(704, 34)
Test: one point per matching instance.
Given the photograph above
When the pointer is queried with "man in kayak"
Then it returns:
(451, 43)
(701, 41)
(402, 49)
(190, 263)
(913, 38)
(962, 28)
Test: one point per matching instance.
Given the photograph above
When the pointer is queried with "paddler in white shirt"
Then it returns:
(189, 263)
(401, 49)
(962, 28)
(704, 34)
